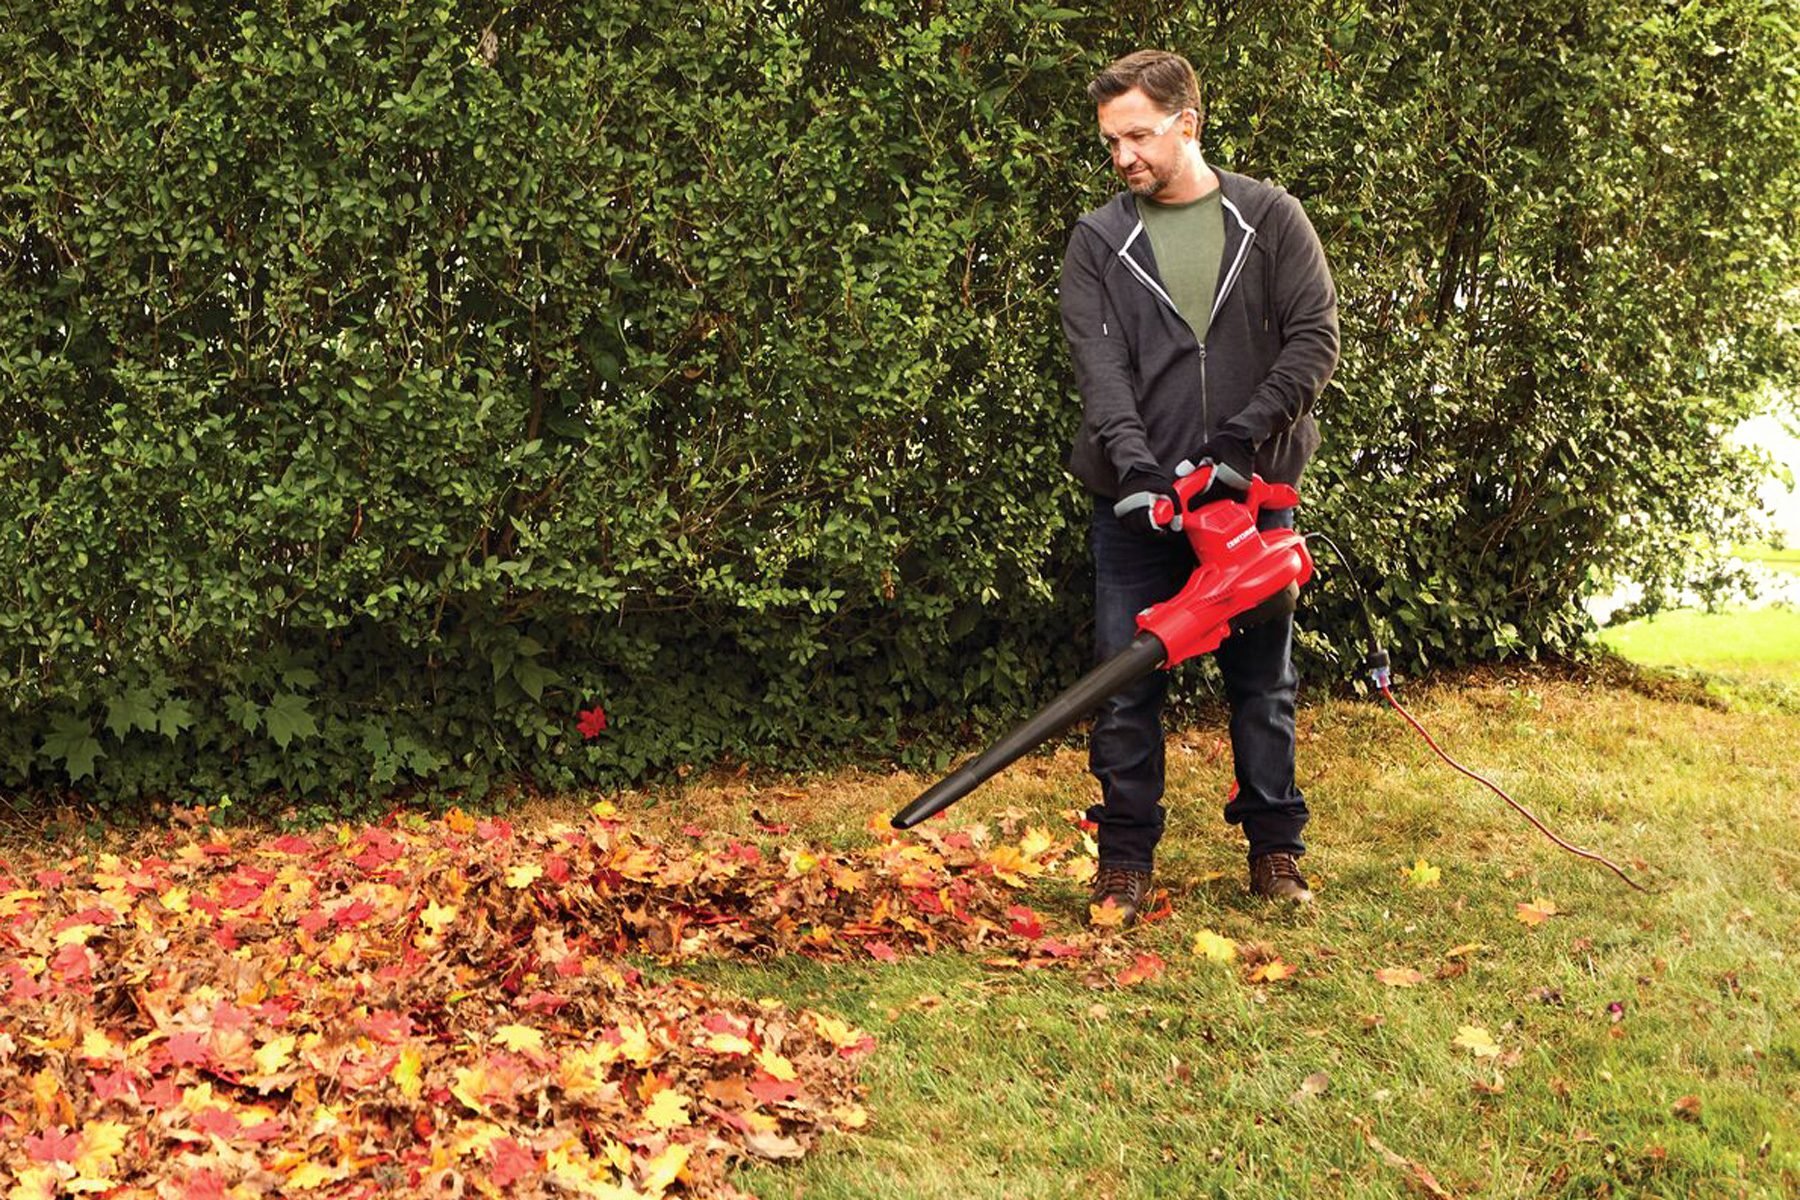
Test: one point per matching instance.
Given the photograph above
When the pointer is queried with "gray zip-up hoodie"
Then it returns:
(1150, 393)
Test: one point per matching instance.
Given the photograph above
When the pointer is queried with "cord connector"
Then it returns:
(1375, 662)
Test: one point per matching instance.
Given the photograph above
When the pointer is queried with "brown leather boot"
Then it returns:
(1126, 889)
(1277, 877)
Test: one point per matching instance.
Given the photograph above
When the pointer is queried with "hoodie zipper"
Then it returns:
(1237, 267)
(1231, 277)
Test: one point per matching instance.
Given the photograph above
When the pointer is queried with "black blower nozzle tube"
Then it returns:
(1144, 655)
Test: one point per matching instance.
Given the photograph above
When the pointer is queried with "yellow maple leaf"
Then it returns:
(1476, 1041)
(668, 1109)
(1212, 946)
(634, 1045)
(409, 1072)
(36, 1183)
(437, 917)
(1011, 867)
(777, 1066)
(471, 1082)
(1422, 874)
(1464, 950)
(474, 1137)
(1400, 976)
(661, 1172)
(1036, 843)
(520, 1039)
(523, 875)
(96, 1045)
(1537, 912)
(309, 1175)
(101, 1142)
(175, 899)
(605, 810)
(582, 1071)
(837, 1032)
(76, 935)
(728, 1043)
(274, 1054)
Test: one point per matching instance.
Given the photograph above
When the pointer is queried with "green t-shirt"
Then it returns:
(1189, 243)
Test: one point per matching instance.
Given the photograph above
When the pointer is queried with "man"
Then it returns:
(1202, 321)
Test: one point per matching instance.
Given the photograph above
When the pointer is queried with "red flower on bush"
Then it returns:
(592, 723)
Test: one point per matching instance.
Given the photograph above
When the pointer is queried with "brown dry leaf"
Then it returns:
(1687, 1108)
(1313, 1085)
(1417, 1175)
(1400, 976)
(1494, 1088)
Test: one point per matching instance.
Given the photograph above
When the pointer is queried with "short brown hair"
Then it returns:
(1168, 79)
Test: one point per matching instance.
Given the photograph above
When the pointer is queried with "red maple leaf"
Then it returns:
(385, 1025)
(187, 1049)
(512, 1162)
(73, 962)
(219, 1123)
(774, 1091)
(881, 952)
(53, 1145)
(592, 722)
(1024, 922)
(204, 1184)
(113, 1085)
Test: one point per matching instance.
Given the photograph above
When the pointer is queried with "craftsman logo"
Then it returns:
(1237, 541)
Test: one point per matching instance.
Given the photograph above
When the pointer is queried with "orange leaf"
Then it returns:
(1272, 971)
(1537, 912)
(1145, 967)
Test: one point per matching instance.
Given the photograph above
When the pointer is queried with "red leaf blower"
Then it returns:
(1245, 576)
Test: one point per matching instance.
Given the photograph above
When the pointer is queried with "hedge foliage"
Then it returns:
(382, 384)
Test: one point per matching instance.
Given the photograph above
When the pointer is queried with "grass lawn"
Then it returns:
(1646, 1045)
(1761, 644)
(1429, 1041)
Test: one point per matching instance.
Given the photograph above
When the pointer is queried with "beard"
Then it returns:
(1145, 186)
(1146, 183)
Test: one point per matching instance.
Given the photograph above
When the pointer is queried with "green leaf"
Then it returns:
(174, 716)
(71, 742)
(135, 708)
(533, 678)
(288, 716)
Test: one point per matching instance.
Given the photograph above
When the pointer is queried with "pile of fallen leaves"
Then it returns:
(437, 1007)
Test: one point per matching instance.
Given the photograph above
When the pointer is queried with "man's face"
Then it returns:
(1148, 144)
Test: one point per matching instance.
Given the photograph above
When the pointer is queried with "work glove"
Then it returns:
(1233, 461)
(1138, 493)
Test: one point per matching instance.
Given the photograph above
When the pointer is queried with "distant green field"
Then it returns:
(1760, 644)
(1776, 560)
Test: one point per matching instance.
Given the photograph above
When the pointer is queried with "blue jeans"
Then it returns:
(1125, 751)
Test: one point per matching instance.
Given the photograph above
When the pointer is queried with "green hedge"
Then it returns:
(381, 385)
